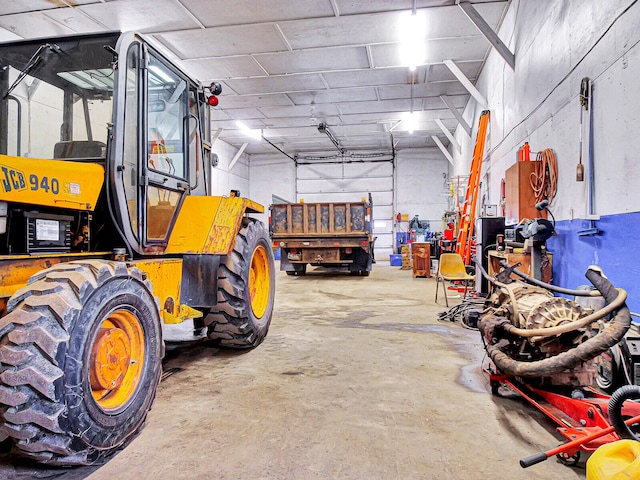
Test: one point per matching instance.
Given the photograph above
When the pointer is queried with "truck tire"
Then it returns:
(246, 290)
(80, 361)
(298, 271)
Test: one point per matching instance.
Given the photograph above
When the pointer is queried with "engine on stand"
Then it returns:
(543, 348)
(530, 334)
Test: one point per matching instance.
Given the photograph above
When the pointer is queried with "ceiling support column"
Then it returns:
(475, 93)
(443, 149)
(463, 123)
(489, 34)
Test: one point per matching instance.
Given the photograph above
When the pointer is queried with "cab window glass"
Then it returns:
(166, 111)
(130, 154)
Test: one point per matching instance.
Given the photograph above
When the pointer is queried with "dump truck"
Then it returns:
(331, 234)
(109, 234)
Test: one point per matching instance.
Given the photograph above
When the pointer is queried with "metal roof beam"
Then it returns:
(448, 134)
(488, 33)
(462, 78)
(443, 149)
(237, 156)
(463, 123)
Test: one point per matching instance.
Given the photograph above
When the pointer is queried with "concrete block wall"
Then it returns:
(223, 178)
(272, 175)
(556, 44)
(421, 185)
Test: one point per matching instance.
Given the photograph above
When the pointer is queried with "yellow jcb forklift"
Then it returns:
(108, 231)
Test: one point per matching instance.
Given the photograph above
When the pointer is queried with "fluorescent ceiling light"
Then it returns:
(249, 131)
(163, 75)
(409, 121)
(413, 29)
(101, 79)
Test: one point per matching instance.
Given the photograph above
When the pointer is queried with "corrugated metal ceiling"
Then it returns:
(287, 66)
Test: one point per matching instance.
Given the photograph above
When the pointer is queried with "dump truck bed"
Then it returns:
(319, 219)
(334, 234)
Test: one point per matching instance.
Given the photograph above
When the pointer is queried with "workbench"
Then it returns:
(495, 257)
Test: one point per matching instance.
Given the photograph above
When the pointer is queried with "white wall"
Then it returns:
(419, 182)
(556, 44)
(422, 185)
(271, 175)
(223, 180)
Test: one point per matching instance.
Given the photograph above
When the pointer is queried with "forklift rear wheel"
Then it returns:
(246, 290)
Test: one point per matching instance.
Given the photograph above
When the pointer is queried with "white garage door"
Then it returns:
(352, 181)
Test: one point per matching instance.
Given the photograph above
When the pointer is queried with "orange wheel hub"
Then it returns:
(259, 281)
(116, 361)
(111, 359)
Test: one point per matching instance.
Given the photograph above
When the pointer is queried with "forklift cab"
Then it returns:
(113, 100)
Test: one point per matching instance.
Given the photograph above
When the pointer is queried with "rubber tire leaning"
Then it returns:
(232, 321)
(46, 401)
(615, 410)
(603, 382)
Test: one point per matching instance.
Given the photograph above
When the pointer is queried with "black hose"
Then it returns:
(615, 410)
(482, 270)
(569, 359)
(548, 286)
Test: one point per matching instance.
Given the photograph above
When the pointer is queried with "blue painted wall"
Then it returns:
(616, 250)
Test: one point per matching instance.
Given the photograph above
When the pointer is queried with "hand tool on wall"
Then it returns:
(584, 104)
(586, 96)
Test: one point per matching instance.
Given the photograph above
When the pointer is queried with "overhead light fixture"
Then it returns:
(249, 131)
(410, 122)
(162, 74)
(413, 29)
(256, 134)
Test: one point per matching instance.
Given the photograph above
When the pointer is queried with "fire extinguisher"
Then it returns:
(524, 153)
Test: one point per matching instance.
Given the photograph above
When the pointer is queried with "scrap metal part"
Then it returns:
(529, 333)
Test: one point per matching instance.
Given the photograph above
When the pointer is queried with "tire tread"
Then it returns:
(36, 326)
(229, 321)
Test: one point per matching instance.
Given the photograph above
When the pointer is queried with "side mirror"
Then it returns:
(215, 88)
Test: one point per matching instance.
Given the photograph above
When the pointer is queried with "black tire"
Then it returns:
(616, 402)
(241, 318)
(300, 270)
(609, 376)
(52, 341)
(359, 273)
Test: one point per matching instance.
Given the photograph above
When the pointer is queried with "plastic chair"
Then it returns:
(451, 267)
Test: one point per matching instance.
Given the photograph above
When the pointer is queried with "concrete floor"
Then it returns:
(357, 379)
